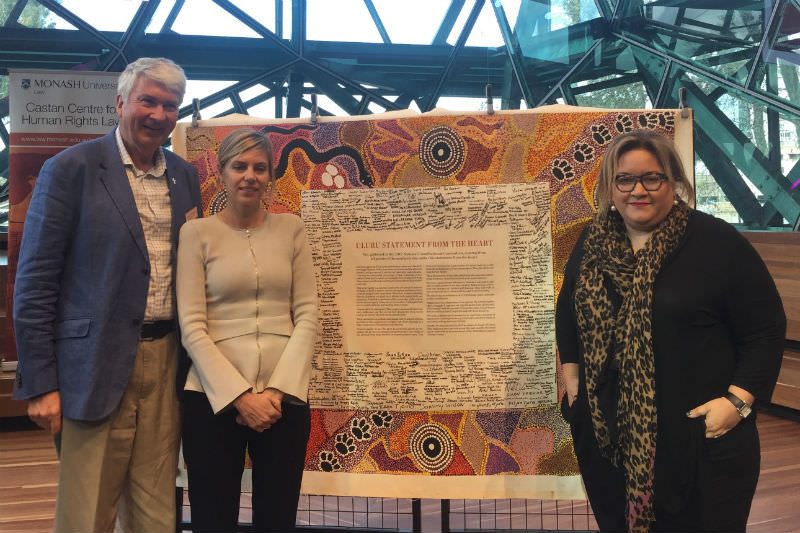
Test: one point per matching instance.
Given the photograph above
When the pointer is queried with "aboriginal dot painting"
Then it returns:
(562, 149)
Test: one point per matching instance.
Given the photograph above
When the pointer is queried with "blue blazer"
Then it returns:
(83, 274)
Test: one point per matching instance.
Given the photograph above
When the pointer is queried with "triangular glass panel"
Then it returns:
(411, 21)
(610, 80)
(221, 108)
(537, 17)
(263, 11)
(789, 128)
(709, 196)
(204, 17)
(565, 13)
(458, 25)
(548, 56)
(108, 15)
(343, 21)
(718, 37)
(393, 76)
(35, 15)
(486, 31)
(652, 69)
(160, 16)
(203, 88)
(252, 92)
(779, 70)
(748, 134)
(326, 103)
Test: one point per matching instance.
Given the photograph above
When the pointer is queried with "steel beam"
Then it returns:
(604, 9)
(363, 106)
(376, 18)
(273, 92)
(256, 26)
(185, 111)
(134, 33)
(3, 133)
(727, 177)
(15, 12)
(737, 147)
(342, 97)
(619, 7)
(514, 52)
(462, 39)
(404, 100)
(387, 104)
(173, 14)
(323, 112)
(780, 104)
(675, 31)
(279, 18)
(769, 30)
(589, 53)
(299, 26)
(78, 22)
(295, 95)
(566, 94)
(238, 105)
(448, 21)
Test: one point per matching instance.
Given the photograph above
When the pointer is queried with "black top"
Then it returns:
(717, 321)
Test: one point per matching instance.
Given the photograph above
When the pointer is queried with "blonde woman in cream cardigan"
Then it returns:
(247, 302)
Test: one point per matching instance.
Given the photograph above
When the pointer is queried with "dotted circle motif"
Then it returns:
(218, 203)
(431, 447)
(441, 151)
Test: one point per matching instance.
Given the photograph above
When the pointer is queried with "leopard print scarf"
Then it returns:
(629, 334)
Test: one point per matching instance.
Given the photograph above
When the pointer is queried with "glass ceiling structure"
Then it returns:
(737, 60)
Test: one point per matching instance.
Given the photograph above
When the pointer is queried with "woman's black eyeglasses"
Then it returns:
(651, 181)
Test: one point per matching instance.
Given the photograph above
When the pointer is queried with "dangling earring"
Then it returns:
(675, 201)
(613, 207)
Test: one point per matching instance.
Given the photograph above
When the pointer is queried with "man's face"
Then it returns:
(147, 118)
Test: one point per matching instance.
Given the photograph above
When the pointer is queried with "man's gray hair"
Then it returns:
(158, 69)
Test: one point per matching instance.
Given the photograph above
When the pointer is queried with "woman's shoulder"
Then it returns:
(713, 228)
(197, 223)
(199, 226)
(286, 220)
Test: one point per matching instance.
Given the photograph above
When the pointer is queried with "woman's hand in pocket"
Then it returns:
(720, 416)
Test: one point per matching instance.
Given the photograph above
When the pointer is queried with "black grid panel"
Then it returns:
(326, 513)
(520, 514)
(394, 514)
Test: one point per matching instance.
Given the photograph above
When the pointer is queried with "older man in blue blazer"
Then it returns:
(94, 309)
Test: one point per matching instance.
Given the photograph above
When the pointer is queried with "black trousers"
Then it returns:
(719, 499)
(214, 450)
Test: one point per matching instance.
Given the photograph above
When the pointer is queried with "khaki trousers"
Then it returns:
(127, 462)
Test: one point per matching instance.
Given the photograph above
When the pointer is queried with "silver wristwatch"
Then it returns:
(741, 406)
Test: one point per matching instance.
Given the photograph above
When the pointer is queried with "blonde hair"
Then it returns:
(662, 148)
(241, 140)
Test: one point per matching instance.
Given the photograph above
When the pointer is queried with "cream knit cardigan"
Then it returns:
(236, 290)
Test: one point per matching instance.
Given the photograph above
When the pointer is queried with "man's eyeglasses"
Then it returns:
(651, 181)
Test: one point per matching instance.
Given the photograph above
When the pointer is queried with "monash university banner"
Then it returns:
(50, 111)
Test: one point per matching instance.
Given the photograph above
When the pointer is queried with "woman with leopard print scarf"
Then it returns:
(669, 328)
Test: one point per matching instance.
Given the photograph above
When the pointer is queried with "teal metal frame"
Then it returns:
(743, 51)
